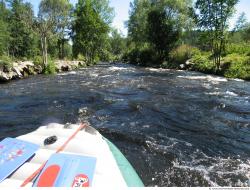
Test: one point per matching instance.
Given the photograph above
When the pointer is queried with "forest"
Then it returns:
(173, 34)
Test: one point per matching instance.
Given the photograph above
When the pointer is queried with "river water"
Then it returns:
(177, 128)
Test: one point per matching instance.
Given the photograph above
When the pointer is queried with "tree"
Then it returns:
(4, 29)
(117, 44)
(90, 29)
(161, 33)
(48, 21)
(166, 21)
(246, 35)
(21, 37)
(213, 16)
(137, 24)
(64, 26)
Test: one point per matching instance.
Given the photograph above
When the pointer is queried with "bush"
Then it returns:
(6, 63)
(182, 53)
(142, 56)
(241, 48)
(203, 63)
(238, 66)
(38, 60)
(81, 57)
(51, 67)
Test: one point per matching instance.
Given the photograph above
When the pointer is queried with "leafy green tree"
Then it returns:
(161, 33)
(21, 37)
(213, 16)
(90, 29)
(166, 21)
(117, 44)
(246, 35)
(4, 29)
(137, 24)
(64, 26)
(49, 20)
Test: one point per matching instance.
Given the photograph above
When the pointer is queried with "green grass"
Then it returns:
(51, 68)
(6, 62)
(238, 66)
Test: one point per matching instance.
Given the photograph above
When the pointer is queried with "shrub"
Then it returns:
(240, 48)
(38, 60)
(239, 66)
(81, 57)
(6, 63)
(142, 56)
(51, 67)
(203, 63)
(182, 53)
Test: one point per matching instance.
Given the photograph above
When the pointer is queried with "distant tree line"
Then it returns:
(59, 31)
(166, 33)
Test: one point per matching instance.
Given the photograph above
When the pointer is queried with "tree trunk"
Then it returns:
(42, 45)
(62, 49)
(59, 49)
(45, 51)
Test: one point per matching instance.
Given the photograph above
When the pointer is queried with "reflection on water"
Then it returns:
(177, 128)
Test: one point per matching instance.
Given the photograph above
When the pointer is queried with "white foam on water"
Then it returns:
(68, 73)
(238, 80)
(200, 169)
(114, 68)
(94, 75)
(223, 168)
(157, 70)
(225, 94)
(209, 78)
(231, 93)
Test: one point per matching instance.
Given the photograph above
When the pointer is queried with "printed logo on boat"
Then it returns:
(81, 181)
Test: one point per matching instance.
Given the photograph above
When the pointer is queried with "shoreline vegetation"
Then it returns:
(172, 34)
(22, 69)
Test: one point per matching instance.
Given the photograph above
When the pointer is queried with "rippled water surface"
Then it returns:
(177, 128)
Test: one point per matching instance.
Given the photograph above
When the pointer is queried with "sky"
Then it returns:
(122, 7)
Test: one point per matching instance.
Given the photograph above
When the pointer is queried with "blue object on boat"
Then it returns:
(67, 170)
(13, 154)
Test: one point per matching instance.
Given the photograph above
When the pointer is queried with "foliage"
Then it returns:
(160, 32)
(137, 24)
(21, 39)
(202, 62)
(90, 31)
(238, 66)
(52, 17)
(117, 45)
(232, 66)
(238, 48)
(38, 60)
(4, 29)
(63, 28)
(183, 53)
(213, 17)
(50, 68)
(5, 63)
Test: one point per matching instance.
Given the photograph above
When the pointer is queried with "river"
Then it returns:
(177, 128)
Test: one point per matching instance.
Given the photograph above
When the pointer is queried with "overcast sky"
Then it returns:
(122, 7)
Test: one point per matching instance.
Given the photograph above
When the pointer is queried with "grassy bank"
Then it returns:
(235, 62)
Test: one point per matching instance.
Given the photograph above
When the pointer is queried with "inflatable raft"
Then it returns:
(111, 168)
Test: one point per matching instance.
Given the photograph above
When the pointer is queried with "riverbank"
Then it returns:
(234, 63)
(23, 69)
